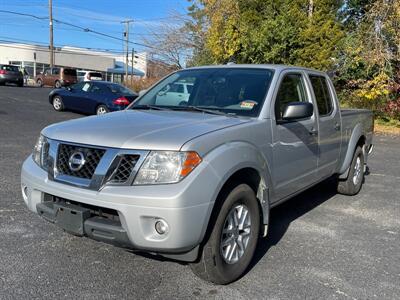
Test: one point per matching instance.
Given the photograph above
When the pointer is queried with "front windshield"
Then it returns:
(238, 91)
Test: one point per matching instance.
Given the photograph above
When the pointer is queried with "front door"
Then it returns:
(295, 143)
(329, 125)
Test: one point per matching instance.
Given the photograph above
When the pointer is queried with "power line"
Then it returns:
(37, 43)
(23, 14)
(11, 44)
(85, 29)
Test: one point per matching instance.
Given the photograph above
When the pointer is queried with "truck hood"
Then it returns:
(141, 130)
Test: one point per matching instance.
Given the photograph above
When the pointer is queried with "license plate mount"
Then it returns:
(71, 217)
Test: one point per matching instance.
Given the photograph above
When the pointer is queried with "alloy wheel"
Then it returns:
(235, 234)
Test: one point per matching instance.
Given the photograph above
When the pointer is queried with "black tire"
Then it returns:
(57, 84)
(58, 103)
(39, 82)
(101, 110)
(352, 185)
(211, 265)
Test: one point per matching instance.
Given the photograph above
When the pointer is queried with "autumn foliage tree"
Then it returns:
(357, 41)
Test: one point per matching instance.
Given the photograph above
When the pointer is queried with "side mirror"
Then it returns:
(142, 92)
(297, 110)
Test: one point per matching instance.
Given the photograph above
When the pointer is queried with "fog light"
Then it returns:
(161, 227)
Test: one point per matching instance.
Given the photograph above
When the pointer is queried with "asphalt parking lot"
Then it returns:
(321, 245)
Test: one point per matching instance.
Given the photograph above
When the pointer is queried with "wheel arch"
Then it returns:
(51, 97)
(357, 138)
(230, 166)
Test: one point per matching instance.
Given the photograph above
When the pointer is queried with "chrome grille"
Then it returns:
(92, 159)
(124, 169)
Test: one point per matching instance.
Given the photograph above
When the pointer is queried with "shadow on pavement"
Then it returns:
(284, 214)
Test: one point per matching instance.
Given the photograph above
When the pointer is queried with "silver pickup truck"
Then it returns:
(194, 180)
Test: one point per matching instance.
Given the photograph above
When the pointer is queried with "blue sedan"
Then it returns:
(93, 97)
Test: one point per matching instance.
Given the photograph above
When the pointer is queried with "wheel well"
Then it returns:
(249, 176)
(52, 97)
(361, 141)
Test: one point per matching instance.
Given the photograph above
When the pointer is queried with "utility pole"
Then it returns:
(133, 61)
(51, 33)
(126, 34)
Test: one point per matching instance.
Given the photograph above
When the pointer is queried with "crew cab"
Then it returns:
(195, 180)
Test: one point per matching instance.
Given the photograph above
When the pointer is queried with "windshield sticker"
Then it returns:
(248, 104)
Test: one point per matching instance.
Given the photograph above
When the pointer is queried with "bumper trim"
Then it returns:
(78, 220)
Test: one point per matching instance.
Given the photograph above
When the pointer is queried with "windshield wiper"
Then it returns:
(204, 110)
(147, 106)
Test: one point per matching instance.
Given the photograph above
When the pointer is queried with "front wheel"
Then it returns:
(227, 252)
(58, 104)
(352, 185)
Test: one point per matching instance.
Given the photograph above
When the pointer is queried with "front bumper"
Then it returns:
(185, 206)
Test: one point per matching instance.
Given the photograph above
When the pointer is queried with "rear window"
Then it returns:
(71, 72)
(95, 74)
(9, 68)
(322, 95)
(119, 89)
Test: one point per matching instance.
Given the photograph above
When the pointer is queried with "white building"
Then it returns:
(35, 58)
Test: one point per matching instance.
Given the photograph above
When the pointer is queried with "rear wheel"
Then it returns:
(57, 84)
(58, 104)
(39, 82)
(101, 110)
(230, 246)
(352, 185)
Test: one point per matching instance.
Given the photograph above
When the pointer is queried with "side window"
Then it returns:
(47, 71)
(176, 88)
(96, 89)
(291, 89)
(56, 71)
(322, 95)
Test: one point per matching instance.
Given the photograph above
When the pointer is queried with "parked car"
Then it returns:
(176, 93)
(11, 74)
(57, 77)
(196, 182)
(89, 75)
(95, 97)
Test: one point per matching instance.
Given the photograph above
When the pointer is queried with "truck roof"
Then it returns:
(277, 67)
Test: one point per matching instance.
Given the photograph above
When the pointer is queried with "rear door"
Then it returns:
(329, 133)
(295, 144)
(98, 94)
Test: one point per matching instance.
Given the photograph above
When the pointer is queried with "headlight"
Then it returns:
(40, 152)
(162, 167)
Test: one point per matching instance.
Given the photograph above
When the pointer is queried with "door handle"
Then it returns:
(337, 126)
(313, 131)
